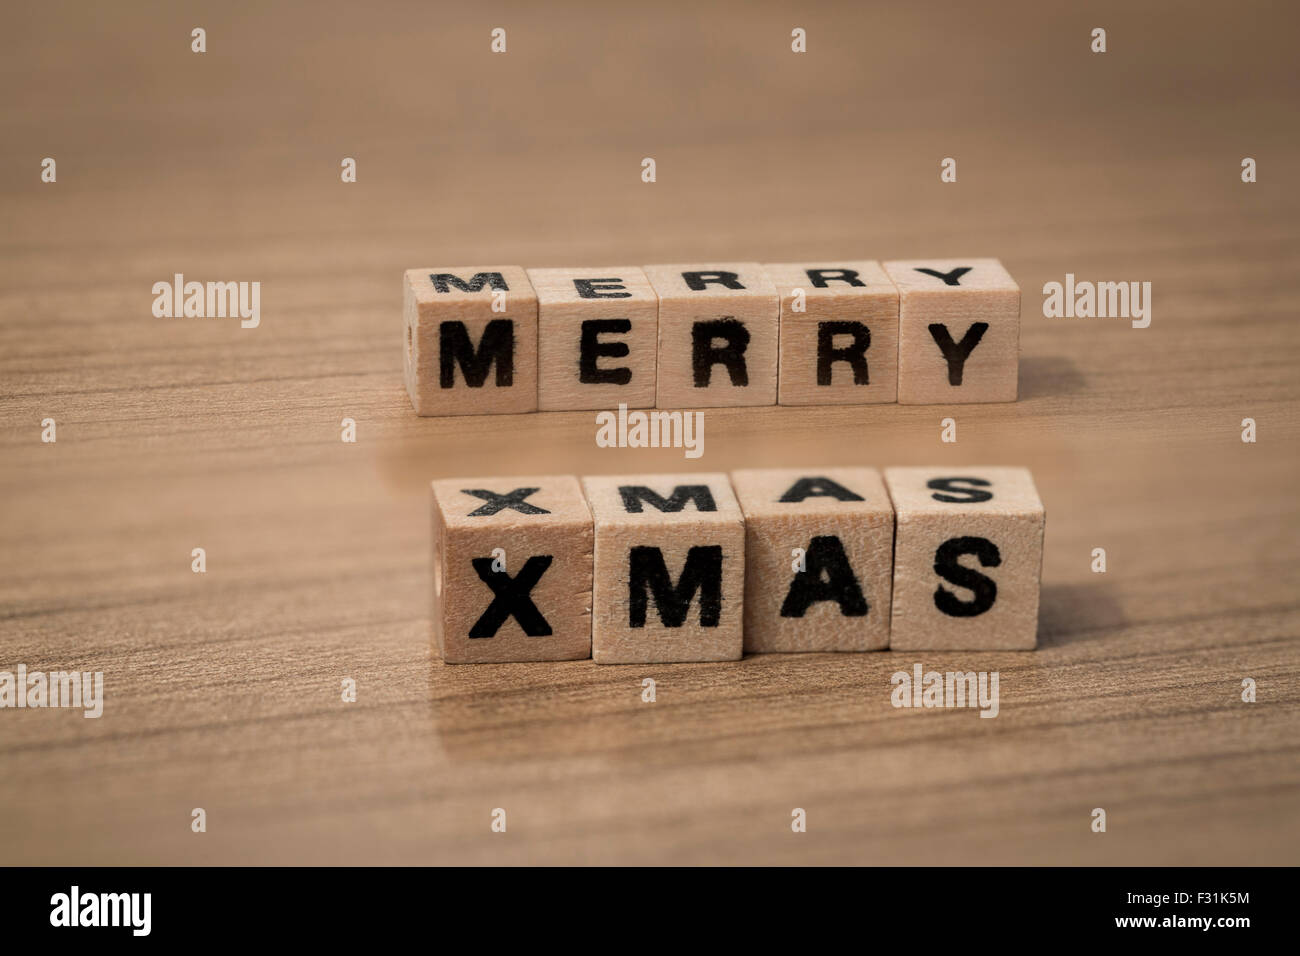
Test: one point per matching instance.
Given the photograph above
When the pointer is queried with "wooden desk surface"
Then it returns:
(223, 689)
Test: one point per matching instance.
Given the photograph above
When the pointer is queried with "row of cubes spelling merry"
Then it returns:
(658, 568)
(501, 339)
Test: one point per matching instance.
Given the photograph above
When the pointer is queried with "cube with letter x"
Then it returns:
(512, 569)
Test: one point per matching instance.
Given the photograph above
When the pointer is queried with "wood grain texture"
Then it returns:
(223, 689)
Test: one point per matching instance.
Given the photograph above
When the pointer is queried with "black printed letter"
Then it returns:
(648, 574)
(947, 567)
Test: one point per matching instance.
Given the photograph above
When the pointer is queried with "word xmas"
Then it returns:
(181, 299)
(501, 339)
(1113, 300)
(703, 567)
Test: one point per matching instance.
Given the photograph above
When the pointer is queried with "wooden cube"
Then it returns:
(670, 569)
(470, 340)
(819, 558)
(958, 331)
(968, 556)
(512, 566)
(597, 337)
(839, 333)
(718, 329)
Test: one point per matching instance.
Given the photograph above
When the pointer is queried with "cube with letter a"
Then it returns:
(968, 558)
(718, 330)
(470, 340)
(669, 570)
(819, 558)
(512, 566)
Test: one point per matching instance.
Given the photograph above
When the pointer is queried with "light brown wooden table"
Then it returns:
(223, 689)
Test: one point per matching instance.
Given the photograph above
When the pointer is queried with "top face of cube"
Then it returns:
(926, 277)
(822, 280)
(514, 501)
(962, 490)
(469, 284)
(811, 491)
(729, 280)
(600, 285)
(662, 499)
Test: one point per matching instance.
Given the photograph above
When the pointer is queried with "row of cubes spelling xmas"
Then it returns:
(703, 567)
(501, 339)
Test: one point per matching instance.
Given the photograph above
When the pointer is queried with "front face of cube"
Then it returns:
(718, 334)
(967, 558)
(470, 338)
(597, 338)
(818, 559)
(512, 568)
(839, 333)
(669, 569)
(959, 331)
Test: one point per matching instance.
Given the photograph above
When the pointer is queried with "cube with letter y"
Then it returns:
(669, 569)
(470, 340)
(958, 331)
(718, 330)
(968, 557)
(819, 558)
(512, 566)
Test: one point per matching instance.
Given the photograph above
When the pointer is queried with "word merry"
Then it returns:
(657, 568)
(502, 339)
(178, 298)
(651, 430)
(55, 689)
(1084, 300)
(953, 689)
